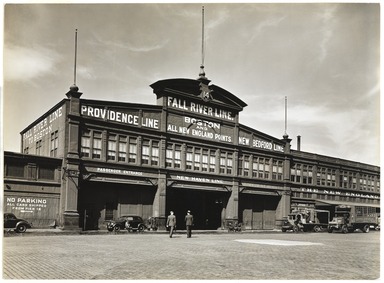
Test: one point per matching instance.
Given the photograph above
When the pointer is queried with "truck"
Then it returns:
(349, 218)
(308, 219)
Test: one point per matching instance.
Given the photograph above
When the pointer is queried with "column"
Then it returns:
(70, 186)
(159, 202)
(232, 208)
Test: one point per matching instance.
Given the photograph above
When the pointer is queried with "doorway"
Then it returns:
(207, 207)
(258, 212)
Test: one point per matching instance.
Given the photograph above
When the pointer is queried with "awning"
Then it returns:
(259, 192)
(201, 187)
(336, 202)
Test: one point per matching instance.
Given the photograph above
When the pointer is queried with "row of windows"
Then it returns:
(260, 167)
(123, 148)
(29, 171)
(301, 173)
(54, 145)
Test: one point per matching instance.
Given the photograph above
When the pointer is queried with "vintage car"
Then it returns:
(17, 224)
(129, 222)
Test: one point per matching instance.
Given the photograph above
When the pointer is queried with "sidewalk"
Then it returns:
(58, 231)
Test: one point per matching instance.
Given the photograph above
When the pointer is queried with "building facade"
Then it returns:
(186, 152)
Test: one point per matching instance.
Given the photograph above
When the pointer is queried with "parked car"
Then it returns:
(12, 222)
(129, 222)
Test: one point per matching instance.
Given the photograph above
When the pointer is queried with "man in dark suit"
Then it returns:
(171, 223)
(189, 223)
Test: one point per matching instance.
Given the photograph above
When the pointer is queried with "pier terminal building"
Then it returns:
(84, 162)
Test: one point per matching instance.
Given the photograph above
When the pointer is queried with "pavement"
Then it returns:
(208, 255)
(58, 231)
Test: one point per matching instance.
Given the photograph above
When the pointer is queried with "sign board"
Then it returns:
(132, 117)
(200, 128)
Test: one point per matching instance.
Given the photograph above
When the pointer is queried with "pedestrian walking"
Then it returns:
(171, 223)
(189, 223)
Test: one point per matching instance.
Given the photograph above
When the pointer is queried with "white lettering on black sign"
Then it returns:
(202, 109)
(26, 204)
(120, 117)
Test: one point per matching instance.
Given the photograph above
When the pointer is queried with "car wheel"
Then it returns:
(365, 229)
(316, 228)
(330, 229)
(117, 228)
(344, 229)
(141, 228)
(21, 228)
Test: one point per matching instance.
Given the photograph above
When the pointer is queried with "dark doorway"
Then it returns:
(91, 217)
(206, 207)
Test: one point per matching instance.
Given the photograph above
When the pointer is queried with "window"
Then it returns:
(301, 173)
(54, 143)
(205, 161)
(169, 156)
(155, 153)
(229, 163)
(96, 145)
(177, 156)
(150, 152)
(277, 170)
(39, 145)
(26, 150)
(46, 173)
(111, 151)
(196, 165)
(260, 167)
(145, 152)
(307, 195)
(212, 162)
(326, 177)
(199, 159)
(15, 170)
(246, 166)
(132, 150)
(226, 163)
(173, 156)
(91, 144)
(189, 158)
(222, 164)
(85, 150)
(122, 155)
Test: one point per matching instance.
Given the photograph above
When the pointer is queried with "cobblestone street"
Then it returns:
(204, 256)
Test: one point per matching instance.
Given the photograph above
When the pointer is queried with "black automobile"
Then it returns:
(129, 222)
(12, 222)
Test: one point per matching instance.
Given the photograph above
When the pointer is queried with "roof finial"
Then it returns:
(285, 136)
(74, 87)
(202, 72)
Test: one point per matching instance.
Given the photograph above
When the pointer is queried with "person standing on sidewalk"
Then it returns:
(171, 223)
(189, 223)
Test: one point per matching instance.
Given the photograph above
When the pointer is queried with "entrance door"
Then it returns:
(257, 220)
(258, 211)
(247, 219)
(91, 217)
(269, 217)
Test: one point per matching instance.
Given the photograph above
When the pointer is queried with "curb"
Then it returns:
(57, 232)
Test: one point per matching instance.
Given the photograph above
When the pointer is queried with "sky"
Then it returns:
(325, 58)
